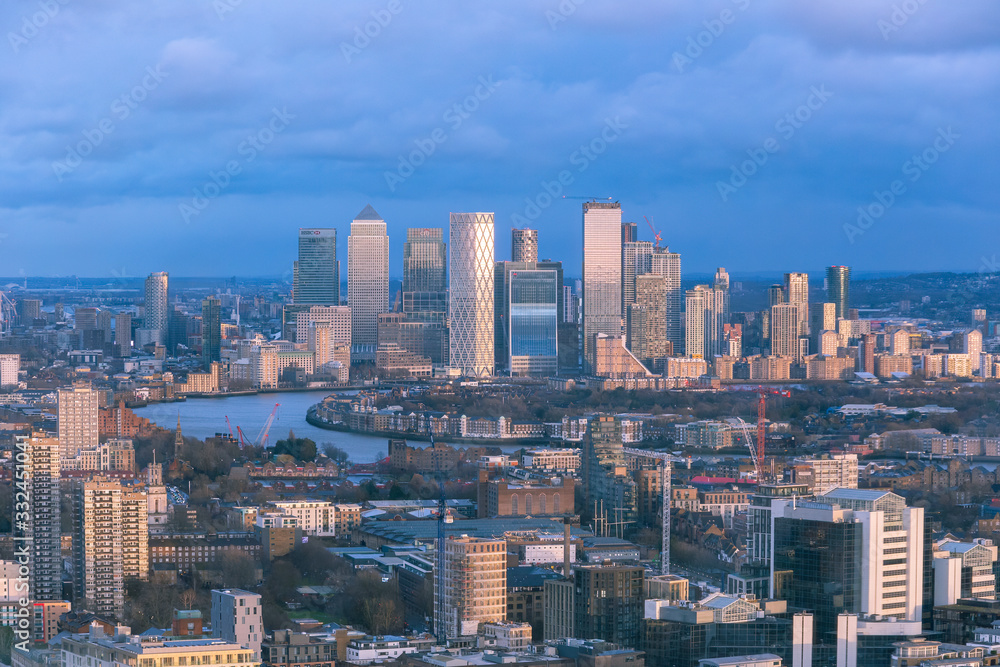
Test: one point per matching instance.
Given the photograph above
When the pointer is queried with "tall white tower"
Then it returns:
(602, 274)
(367, 280)
(156, 319)
(470, 279)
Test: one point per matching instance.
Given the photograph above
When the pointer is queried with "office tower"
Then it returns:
(475, 584)
(648, 321)
(211, 331)
(637, 259)
(606, 479)
(110, 542)
(838, 289)
(602, 274)
(972, 345)
(471, 280)
(10, 368)
(775, 295)
(104, 319)
(367, 280)
(534, 322)
(78, 415)
(316, 280)
(785, 330)
(502, 321)
(524, 245)
(85, 319)
(156, 319)
(608, 603)
(571, 306)
(236, 617)
(797, 294)
(38, 464)
(424, 261)
(630, 233)
(668, 264)
(851, 550)
(418, 337)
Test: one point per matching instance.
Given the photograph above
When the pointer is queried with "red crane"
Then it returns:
(762, 394)
(230, 426)
(656, 234)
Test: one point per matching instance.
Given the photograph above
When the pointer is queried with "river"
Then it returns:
(204, 417)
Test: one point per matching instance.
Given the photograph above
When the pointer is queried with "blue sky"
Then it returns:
(290, 115)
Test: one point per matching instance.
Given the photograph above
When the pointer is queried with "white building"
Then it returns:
(236, 617)
(506, 635)
(367, 280)
(602, 274)
(157, 314)
(10, 367)
(552, 460)
(315, 517)
(471, 285)
(368, 649)
(78, 422)
(827, 472)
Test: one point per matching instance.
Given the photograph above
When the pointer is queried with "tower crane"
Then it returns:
(262, 435)
(590, 198)
(656, 234)
(664, 461)
(762, 394)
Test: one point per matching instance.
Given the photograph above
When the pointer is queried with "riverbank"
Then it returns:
(313, 420)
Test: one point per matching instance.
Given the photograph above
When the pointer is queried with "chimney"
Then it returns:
(567, 544)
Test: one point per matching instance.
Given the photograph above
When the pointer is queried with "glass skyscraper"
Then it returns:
(211, 331)
(424, 261)
(534, 322)
(524, 245)
(838, 289)
(317, 272)
(367, 280)
(471, 275)
(602, 274)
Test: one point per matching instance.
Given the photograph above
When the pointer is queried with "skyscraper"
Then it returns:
(424, 261)
(651, 335)
(316, 280)
(696, 315)
(637, 259)
(602, 274)
(668, 264)
(797, 294)
(534, 322)
(110, 542)
(123, 334)
(838, 288)
(785, 330)
(630, 232)
(156, 319)
(211, 331)
(524, 245)
(367, 280)
(475, 583)
(78, 422)
(39, 468)
(471, 280)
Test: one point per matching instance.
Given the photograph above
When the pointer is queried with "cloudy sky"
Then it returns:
(196, 136)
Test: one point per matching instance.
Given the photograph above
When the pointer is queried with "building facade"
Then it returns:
(471, 281)
(367, 280)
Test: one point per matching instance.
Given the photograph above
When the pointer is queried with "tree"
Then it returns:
(302, 449)
(238, 569)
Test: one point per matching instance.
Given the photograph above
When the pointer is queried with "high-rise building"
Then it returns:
(471, 279)
(899, 342)
(699, 305)
(838, 289)
(211, 331)
(39, 468)
(524, 245)
(850, 551)
(316, 279)
(110, 542)
(156, 320)
(475, 585)
(776, 295)
(602, 274)
(647, 330)
(797, 294)
(822, 317)
(10, 368)
(85, 319)
(501, 304)
(534, 322)
(668, 264)
(785, 330)
(608, 603)
(425, 261)
(367, 280)
(972, 345)
(30, 310)
(236, 617)
(78, 421)
(637, 259)
(630, 232)
(606, 478)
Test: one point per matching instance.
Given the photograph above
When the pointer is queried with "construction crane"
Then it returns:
(656, 234)
(594, 199)
(664, 461)
(230, 427)
(757, 461)
(262, 435)
(762, 394)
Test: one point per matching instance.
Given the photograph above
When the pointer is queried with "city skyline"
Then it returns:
(652, 89)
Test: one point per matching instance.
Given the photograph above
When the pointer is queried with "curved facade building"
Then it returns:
(470, 280)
